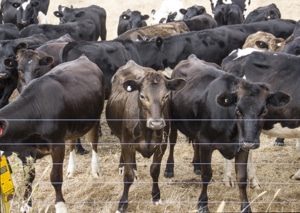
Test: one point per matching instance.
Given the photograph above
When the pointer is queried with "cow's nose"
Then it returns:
(156, 124)
(245, 145)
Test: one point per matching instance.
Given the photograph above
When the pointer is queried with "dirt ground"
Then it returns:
(85, 194)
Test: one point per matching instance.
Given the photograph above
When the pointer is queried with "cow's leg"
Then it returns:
(128, 156)
(206, 174)
(92, 137)
(56, 176)
(155, 170)
(251, 173)
(196, 158)
(241, 176)
(169, 171)
(72, 158)
(29, 172)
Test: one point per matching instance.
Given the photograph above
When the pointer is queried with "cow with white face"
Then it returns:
(167, 8)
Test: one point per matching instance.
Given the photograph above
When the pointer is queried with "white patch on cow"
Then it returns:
(1, 152)
(244, 77)
(167, 7)
(71, 164)
(60, 207)
(95, 164)
(25, 208)
(244, 52)
(283, 132)
(42, 18)
(227, 2)
(29, 62)
(24, 5)
(159, 202)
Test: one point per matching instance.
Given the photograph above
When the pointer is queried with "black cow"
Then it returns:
(221, 112)
(200, 22)
(95, 13)
(131, 20)
(293, 42)
(280, 71)
(265, 13)
(192, 11)
(29, 12)
(111, 55)
(8, 68)
(212, 45)
(228, 14)
(43, 121)
(137, 112)
(8, 31)
(243, 4)
(80, 30)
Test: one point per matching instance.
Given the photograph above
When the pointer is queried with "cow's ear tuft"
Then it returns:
(227, 99)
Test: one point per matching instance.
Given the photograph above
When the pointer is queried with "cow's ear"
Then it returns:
(58, 14)
(175, 84)
(80, 14)
(145, 17)
(46, 61)
(278, 99)
(3, 127)
(183, 11)
(227, 99)
(131, 85)
(159, 42)
(10, 63)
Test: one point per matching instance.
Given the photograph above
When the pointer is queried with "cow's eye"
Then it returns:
(142, 97)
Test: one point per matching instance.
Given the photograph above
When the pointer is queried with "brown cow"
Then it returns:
(137, 112)
(157, 30)
(264, 41)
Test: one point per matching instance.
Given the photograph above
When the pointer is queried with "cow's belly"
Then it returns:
(283, 132)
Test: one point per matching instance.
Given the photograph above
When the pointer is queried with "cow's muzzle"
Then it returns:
(245, 145)
(156, 124)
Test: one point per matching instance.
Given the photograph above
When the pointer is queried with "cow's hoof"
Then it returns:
(203, 209)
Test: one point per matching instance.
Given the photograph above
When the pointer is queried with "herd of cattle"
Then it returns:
(234, 76)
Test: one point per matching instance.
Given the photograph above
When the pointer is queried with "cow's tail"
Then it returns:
(63, 54)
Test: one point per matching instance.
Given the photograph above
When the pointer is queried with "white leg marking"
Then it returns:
(60, 207)
(159, 202)
(72, 164)
(227, 173)
(95, 164)
(25, 208)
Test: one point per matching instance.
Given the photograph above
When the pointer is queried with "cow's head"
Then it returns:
(31, 64)
(68, 14)
(251, 101)
(27, 13)
(153, 96)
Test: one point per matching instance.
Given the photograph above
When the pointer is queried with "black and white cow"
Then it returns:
(221, 112)
(131, 20)
(44, 122)
(94, 12)
(167, 7)
(29, 12)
